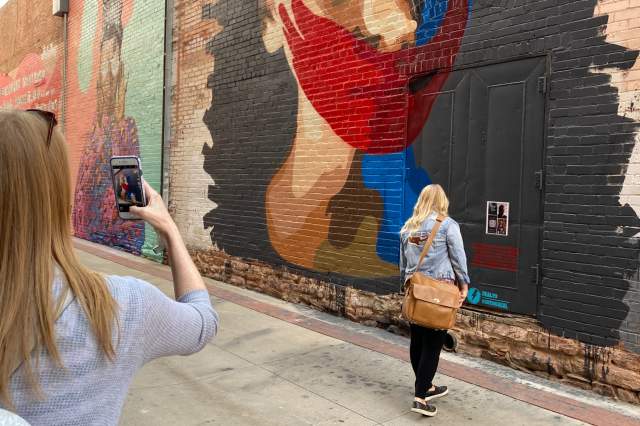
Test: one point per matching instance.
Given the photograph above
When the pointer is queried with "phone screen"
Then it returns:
(127, 185)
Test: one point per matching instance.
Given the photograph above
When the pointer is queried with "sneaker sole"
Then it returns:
(424, 413)
(429, 398)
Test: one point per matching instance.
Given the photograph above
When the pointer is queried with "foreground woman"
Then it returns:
(445, 261)
(71, 340)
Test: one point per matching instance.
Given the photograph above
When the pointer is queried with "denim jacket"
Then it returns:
(446, 258)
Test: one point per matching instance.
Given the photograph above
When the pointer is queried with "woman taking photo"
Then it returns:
(445, 261)
(71, 340)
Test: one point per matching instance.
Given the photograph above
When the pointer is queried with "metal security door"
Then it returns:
(483, 143)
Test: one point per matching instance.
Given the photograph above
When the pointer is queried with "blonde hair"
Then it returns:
(35, 232)
(432, 199)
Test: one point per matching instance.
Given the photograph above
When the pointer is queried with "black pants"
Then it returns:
(426, 344)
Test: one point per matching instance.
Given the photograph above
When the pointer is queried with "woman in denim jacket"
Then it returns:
(446, 260)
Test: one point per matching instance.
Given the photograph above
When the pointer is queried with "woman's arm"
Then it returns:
(186, 277)
(458, 257)
(186, 325)
(171, 327)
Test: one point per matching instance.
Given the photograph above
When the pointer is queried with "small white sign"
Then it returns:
(497, 218)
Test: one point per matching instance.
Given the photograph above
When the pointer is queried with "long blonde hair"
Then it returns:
(35, 232)
(432, 199)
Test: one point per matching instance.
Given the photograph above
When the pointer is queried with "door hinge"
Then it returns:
(540, 179)
(535, 276)
(542, 84)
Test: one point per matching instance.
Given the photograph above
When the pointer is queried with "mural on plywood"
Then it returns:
(117, 41)
(308, 122)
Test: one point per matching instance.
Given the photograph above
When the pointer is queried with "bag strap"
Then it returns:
(427, 246)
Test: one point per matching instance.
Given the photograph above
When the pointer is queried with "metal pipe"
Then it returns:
(65, 54)
(166, 101)
(166, 111)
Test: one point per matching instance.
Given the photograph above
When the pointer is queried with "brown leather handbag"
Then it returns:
(429, 302)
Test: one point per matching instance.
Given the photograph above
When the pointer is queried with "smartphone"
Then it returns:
(126, 174)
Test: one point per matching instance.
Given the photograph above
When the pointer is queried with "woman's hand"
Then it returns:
(463, 294)
(155, 213)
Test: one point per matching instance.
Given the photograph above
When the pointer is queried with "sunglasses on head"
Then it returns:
(50, 118)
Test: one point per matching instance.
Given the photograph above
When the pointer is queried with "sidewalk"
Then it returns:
(275, 363)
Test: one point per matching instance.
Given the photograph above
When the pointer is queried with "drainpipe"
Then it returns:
(61, 8)
(166, 113)
(166, 99)
(65, 56)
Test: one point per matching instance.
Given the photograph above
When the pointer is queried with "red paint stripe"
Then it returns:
(556, 403)
(493, 256)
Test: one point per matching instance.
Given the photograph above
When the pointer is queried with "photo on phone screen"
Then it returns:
(127, 184)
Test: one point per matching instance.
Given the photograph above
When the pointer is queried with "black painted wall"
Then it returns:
(590, 286)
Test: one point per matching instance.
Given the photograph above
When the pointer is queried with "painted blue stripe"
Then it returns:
(431, 19)
(384, 174)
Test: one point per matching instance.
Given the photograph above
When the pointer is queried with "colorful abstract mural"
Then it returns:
(327, 191)
(111, 116)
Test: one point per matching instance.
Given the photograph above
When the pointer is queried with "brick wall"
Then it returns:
(590, 287)
(21, 36)
(307, 178)
(621, 29)
(30, 58)
(191, 97)
(114, 107)
(114, 96)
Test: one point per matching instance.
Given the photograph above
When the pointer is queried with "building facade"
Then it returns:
(299, 133)
(104, 77)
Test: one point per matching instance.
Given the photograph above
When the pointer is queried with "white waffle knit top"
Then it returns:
(91, 390)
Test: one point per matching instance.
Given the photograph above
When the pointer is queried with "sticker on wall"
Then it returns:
(487, 298)
(497, 218)
(474, 296)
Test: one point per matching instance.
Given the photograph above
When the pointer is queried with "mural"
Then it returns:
(94, 216)
(325, 193)
(103, 119)
(35, 83)
(313, 166)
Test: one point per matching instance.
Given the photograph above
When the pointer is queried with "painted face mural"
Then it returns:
(95, 216)
(327, 89)
(358, 88)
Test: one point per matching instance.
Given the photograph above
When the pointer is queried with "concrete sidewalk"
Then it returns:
(268, 366)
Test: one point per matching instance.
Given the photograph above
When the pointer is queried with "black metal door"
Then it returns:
(484, 143)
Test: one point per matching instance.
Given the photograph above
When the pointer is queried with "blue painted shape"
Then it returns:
(431, 18)
(432, 15)
(384, 174)
(474, 296)
(416, 179)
